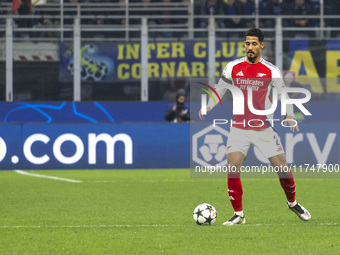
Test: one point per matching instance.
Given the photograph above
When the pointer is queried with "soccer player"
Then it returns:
(255, 73)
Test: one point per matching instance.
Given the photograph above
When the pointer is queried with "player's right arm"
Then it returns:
(221, 87)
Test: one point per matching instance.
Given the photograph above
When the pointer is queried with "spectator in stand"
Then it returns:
(269, 7)
(3, 11)
(316, 5)
(119, 22)
(23, 7)
(100, 10)
(3, 4)
(212, 8)
(197, 9)
(285, 5)
(230, 9)
(332, 7)
(303, 9)
(70, 10)
(166, 19)
(143, 11)
(44, 22)
(182, 21)
(180, 111)
(239, 7)
(246, 7)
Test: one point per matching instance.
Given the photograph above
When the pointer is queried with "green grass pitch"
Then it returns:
(150, 212)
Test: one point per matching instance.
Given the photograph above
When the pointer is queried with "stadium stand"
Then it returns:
(51, 22)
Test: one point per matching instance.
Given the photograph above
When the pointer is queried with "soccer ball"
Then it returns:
(205, 214)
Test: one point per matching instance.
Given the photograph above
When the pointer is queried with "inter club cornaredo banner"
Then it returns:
(110, 62)
(119, 62)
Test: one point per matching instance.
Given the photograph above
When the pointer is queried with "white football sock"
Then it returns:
(240, 213)
(292, 204)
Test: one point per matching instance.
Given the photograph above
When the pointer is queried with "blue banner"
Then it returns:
(102, 146)
(314, 144)
(141, 146)
(81, 112)
(116, 112)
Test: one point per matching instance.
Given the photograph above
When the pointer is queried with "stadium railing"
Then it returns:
(114, 22)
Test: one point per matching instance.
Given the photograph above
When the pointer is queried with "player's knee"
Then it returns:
(278, 161)
(234, 166)
(234, 161)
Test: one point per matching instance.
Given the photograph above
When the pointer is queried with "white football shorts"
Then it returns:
(266, 140)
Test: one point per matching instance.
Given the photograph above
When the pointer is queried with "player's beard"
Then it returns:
(251, 58)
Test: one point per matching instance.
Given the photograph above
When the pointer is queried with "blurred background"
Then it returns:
(100, 61)
(110, 35)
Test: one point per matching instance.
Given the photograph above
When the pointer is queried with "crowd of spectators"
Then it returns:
(302, 8)
(161, 17)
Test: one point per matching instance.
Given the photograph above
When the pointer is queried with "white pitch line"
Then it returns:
(93, 226)
(153, 226)
(155, 181)
(124, 181)
(47, 177)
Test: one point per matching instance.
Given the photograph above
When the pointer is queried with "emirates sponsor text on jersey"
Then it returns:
(256, 82)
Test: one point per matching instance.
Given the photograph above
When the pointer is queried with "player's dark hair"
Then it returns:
(256, 32)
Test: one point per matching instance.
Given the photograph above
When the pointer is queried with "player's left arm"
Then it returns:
(278, 83)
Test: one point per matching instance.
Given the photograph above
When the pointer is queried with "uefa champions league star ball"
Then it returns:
(205, 214)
